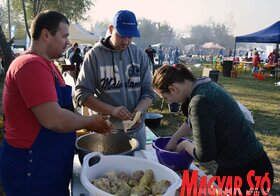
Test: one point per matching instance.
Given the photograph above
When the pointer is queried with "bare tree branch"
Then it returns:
(25, 18)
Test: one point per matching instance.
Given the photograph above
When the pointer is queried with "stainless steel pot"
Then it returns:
(112, 144)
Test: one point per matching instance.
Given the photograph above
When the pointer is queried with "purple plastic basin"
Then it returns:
(176, 161)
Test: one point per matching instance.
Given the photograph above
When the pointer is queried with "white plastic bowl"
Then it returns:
(121, 163)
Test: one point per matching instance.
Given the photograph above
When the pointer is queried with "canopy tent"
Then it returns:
(270, 34)
(242, 49)
(211, 45)
(157, 45)
(77, 34)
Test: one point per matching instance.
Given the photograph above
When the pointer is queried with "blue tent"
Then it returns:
(270, 34)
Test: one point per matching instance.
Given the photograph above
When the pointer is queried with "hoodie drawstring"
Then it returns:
(113, 62)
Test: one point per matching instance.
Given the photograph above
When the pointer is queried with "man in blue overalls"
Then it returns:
(39, 139)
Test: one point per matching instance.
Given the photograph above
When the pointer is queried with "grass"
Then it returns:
(262, 98)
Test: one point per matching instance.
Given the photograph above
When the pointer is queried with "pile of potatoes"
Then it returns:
(140, 183)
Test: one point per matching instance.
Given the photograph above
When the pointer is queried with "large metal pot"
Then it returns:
(112, 144)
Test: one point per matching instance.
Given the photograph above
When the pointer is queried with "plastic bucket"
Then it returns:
(96, 164)
(227, 67)
(214, 75)
(176, 161)
(261, 76)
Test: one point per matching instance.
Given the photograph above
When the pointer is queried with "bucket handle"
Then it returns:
(87, 164)
(153, 144)
(92, 159)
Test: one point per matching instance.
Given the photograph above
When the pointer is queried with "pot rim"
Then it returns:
(131, 139)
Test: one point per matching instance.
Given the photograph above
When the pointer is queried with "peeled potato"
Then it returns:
(127, 124)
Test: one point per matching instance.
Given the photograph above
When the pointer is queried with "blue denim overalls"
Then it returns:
(45, 169)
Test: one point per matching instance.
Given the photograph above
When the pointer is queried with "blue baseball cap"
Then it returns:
(126, 24)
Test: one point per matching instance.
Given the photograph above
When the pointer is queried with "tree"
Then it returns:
(222, 35)
(100, 28)
(153, 33)
(148, 31)
(28, 9)
(73, 10)
(217, 33)
(201, 34)
(166, 33)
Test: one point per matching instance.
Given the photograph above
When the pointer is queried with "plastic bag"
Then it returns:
(247, 113)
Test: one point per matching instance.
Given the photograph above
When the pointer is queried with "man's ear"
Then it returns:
(111, 28)
(45, 34)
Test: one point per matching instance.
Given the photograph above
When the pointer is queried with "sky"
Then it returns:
(241, 16)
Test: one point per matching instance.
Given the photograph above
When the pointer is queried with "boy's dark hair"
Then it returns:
(49, 20)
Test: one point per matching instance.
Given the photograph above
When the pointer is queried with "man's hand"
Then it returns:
(100, 124)
(122, 113)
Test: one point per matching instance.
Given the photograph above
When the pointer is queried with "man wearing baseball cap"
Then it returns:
(115, 78)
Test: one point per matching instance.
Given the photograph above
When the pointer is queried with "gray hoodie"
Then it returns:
(117, 78)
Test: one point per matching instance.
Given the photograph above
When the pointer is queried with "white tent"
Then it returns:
(78, 34)
(211, 45)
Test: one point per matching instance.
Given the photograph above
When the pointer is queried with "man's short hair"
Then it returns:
(49, 20)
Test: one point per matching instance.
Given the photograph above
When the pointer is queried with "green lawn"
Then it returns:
(262, 98)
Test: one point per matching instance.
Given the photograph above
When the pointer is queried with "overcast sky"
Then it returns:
(242, 16)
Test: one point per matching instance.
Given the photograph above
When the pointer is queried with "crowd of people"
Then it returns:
(168, 55)
(261, 61)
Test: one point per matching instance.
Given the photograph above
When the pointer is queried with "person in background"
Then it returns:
(256, 62)
(151, 54)
(272, 57)
(219, 128)
(77, 60)
(176, 55)
(263, 57)
(272, 62)
(70, 50)
(115, 78)
(39, 139)
(230, 52)
(160, 56)
(86, 49)
(221, 52)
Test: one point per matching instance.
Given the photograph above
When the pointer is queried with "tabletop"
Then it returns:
(76, 187)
